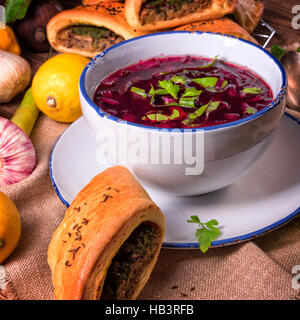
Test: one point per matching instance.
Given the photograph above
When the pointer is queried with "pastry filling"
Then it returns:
(88, 38)
(158, 10)
(126, 268)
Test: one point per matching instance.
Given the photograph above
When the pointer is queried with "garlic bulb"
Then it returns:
(17, 155)
(15, 75)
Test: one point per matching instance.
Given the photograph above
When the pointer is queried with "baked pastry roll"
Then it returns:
(162, 14)
(88, 30)
(224, 25)
(108, 241)
(248, 13)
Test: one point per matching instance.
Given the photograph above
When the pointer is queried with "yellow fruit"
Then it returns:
(55, 87)
(10, 227)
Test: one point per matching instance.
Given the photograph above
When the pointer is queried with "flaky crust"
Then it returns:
(224, 25)
(248, 13)
(109, 15)
(97, 223)
(218, 9)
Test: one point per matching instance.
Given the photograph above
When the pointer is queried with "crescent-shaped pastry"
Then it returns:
(224, 25)
(162, 14)
(88, 30)
(108, 241)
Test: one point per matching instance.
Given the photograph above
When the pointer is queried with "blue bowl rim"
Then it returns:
(103, 114)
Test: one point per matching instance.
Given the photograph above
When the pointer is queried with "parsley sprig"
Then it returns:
(170, 87)
(206, 233)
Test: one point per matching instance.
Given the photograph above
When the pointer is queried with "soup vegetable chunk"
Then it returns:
(182, 92)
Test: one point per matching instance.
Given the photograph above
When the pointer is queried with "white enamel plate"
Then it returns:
(264, 199)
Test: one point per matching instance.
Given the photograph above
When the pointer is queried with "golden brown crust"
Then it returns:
(224, 25)
(217, 9)
(97, 223)
(109, 15)
(248, 13)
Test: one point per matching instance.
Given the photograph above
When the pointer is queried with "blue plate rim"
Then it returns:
(194, 245)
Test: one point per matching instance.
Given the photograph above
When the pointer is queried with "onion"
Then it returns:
(32, 30)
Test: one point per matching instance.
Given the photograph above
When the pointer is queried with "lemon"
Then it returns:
(10, 227)
(55, 87)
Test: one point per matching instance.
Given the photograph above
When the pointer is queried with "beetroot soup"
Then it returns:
(182, 92)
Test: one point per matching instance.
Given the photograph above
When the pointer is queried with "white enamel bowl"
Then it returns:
(230, 150)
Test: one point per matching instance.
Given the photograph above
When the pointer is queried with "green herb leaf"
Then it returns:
(250, 110)
(156, 117)
(277, 51)
(176, 104)
(298, 49)
(16, 9)
(157, 91)
(178, 79)
(206, 82)
(210, 64)
(224, 84)
(175, 114)
(191, 92)
(164, 73)
(139, 91)
(194, 219)
(199, 112)
(162, 117)
(187, 102)
(212, 107)
(253, 90)
(171, 88)
(206, 233)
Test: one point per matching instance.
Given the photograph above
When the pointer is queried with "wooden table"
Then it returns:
(277, 13)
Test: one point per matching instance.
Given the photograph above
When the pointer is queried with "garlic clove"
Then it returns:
(15, 75)
(17, 154)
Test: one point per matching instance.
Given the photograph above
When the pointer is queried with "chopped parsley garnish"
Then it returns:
(170, 87)
(250, 110)
(178, 79)
(210, 64)
(212, 107)
(139, 91)
(206, 233)
(156, 117)
(162, 117)
(188, 102)
(206, 82)
(199, 112)
(157, 91)
(224, 84)
(253, 90)
(191, 92)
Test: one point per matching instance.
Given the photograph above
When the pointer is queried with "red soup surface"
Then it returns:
(182, 92)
